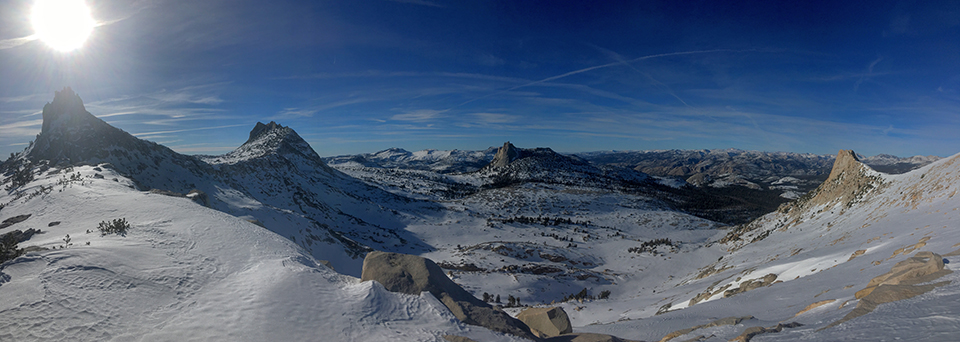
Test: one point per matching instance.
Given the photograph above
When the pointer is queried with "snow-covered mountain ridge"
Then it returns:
(811, 261)
(755, 169)
(274, 179)
(829, 266)
(183, 272)
(441, 161)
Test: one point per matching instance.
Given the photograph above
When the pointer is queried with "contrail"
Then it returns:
(856, 86)
(15, 42)
(619, 58)
(548, 79)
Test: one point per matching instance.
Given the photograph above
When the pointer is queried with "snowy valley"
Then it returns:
(267, 242)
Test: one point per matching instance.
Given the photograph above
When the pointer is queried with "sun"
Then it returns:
(62, 24)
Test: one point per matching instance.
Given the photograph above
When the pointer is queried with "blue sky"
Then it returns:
(365, 75)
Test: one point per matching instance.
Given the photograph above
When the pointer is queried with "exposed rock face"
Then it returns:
(586, 337)
(505, 155)
(899, 284)
(200, 197)
(752, 332)
(850, 181)
(733, 320)
(814, 306)
(920, 268)
(412, 275)
(751, 284)
(546, 322)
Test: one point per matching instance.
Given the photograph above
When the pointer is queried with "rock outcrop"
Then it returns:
(546, 322)
(733, 320)
(752, 332)
(899, 284)
(920, 268)
(751, 284)
(505, 155)
(586, 337)
(412, 275)
(849, 182)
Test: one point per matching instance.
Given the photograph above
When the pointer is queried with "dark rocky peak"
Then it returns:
(260, 128)
(71, 134)
(66, 105)
(505, 155)
(272, 139)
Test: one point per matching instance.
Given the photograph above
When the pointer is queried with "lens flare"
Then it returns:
(64, 25)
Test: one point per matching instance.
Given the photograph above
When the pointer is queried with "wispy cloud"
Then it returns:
(490, 60)
(494, 118)
(856, 86)
(619, 58)
(19, 98)
(15, 42)
(147, 134)
(580, 71)
(26, 128)
(420, 115)
(297, 112)
(310, 111)
(191, 101)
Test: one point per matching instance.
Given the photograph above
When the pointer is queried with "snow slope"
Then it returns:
(822, 253)
(275, 179)
(184, 273)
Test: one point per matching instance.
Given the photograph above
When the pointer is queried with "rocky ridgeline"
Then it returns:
(275, 172)
(444, 162)
(754, 169)
(512, 165)
(849, 182)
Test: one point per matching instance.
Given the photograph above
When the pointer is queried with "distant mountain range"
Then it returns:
(704, 248)
(787, 173)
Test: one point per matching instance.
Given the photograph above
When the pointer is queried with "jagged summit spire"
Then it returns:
(260, 128)
(850, 181)
(505, 155)
(273, 139)
(846, 161)
(66, 103)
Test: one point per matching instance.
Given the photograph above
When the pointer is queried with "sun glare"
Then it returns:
(62, 24)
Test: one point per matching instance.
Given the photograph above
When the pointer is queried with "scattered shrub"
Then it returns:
(20, 177)
(117, 226)
(651, 246)
(604, 294)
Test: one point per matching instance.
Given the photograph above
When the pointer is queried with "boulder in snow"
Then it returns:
(546, 322)
(413, 274)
